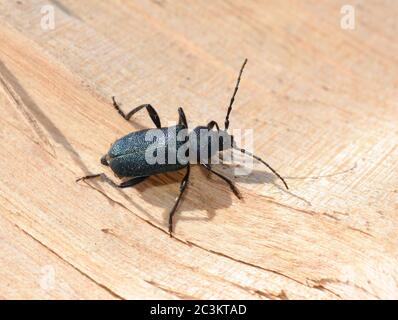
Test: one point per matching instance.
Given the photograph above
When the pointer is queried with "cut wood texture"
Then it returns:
(323, 105)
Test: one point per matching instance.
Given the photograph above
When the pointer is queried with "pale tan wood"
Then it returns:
(30, 269)
(323, 105)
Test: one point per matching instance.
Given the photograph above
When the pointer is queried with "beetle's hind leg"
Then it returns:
(151, 111)
(183, 186)
(125, 184)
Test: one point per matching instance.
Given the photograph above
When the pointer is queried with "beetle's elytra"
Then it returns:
(127, 155)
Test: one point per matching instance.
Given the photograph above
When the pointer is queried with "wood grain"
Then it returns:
(322, 102)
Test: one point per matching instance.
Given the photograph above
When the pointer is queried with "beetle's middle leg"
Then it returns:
(151, 111)
(183, 186)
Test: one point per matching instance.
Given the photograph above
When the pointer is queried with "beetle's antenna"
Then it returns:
(263, 162)
(233, 96)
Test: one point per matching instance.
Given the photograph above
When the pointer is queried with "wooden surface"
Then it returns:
(322, 102)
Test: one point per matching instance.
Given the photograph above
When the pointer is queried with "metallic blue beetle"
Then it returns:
(127, 156)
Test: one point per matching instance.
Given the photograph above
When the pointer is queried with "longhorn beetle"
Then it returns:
(126, 156)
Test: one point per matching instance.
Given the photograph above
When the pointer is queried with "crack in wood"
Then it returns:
(281, 295)
(171, 291)
(320, 283)
(107, 289)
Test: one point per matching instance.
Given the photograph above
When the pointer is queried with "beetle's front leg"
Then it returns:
(230, 183)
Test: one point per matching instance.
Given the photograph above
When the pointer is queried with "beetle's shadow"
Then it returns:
(154, 189)
(261, 177)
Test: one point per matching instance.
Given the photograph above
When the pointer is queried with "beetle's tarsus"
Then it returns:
(234, 189)
(90, 176)
(117, 107)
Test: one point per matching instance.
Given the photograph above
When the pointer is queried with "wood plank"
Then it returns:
(29, 269)
(323, 112)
